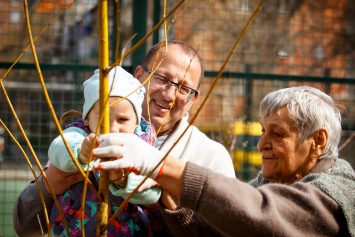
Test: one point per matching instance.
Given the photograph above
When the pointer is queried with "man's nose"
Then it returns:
(171, 91)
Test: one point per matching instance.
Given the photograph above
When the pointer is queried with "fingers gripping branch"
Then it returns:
(130, 153)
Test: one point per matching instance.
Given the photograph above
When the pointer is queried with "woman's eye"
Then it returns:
(277, 134)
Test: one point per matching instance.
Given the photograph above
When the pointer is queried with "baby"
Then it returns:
(125, 117)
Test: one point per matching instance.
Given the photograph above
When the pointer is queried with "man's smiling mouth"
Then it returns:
(162, 105)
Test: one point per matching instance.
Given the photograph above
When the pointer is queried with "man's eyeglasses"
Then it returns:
(163, 83)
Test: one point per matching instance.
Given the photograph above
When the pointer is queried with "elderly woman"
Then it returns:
(303, 188)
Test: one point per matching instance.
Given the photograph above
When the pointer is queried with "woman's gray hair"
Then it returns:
(311, 110)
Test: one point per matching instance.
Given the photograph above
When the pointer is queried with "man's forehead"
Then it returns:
(171, 59)
(175, 62)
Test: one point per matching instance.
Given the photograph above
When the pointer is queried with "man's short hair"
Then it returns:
(185, 47)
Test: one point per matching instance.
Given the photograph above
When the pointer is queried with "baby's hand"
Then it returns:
(119, 177)
(86, 149)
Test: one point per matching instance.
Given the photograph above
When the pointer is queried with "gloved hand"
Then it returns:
(132, 153)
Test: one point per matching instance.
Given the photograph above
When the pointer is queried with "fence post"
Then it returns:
(139, 23)
(247, 136)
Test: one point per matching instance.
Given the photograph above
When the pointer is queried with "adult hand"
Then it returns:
(169, 200)
(60, 180)
(131, 153)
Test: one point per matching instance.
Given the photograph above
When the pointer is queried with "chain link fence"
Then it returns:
(289, 43)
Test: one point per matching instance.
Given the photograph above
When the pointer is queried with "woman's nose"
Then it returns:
(263, 143)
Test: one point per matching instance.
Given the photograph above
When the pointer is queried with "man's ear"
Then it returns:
(138, 72)
(193, 99)
(196, 96)
(191, 103)
(321, 139)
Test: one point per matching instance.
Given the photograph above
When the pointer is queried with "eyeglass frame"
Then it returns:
(196, 92)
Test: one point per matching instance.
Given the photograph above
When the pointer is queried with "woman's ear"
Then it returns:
(86, 122)
(321, 140)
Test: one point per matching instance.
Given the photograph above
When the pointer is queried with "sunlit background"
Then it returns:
(291, 42)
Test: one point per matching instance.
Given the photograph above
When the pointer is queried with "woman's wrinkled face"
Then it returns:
(284, 158)
(123, 117)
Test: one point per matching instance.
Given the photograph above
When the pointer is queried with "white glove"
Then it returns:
(132, 153)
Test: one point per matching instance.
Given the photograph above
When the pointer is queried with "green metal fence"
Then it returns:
(289, 43)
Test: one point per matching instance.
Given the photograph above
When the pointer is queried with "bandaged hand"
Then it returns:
(131, 153)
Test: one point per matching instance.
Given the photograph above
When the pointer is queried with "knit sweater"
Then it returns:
(195, 147)
(321, 204)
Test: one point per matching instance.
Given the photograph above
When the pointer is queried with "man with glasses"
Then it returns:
(175, 74)
(172, 76)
